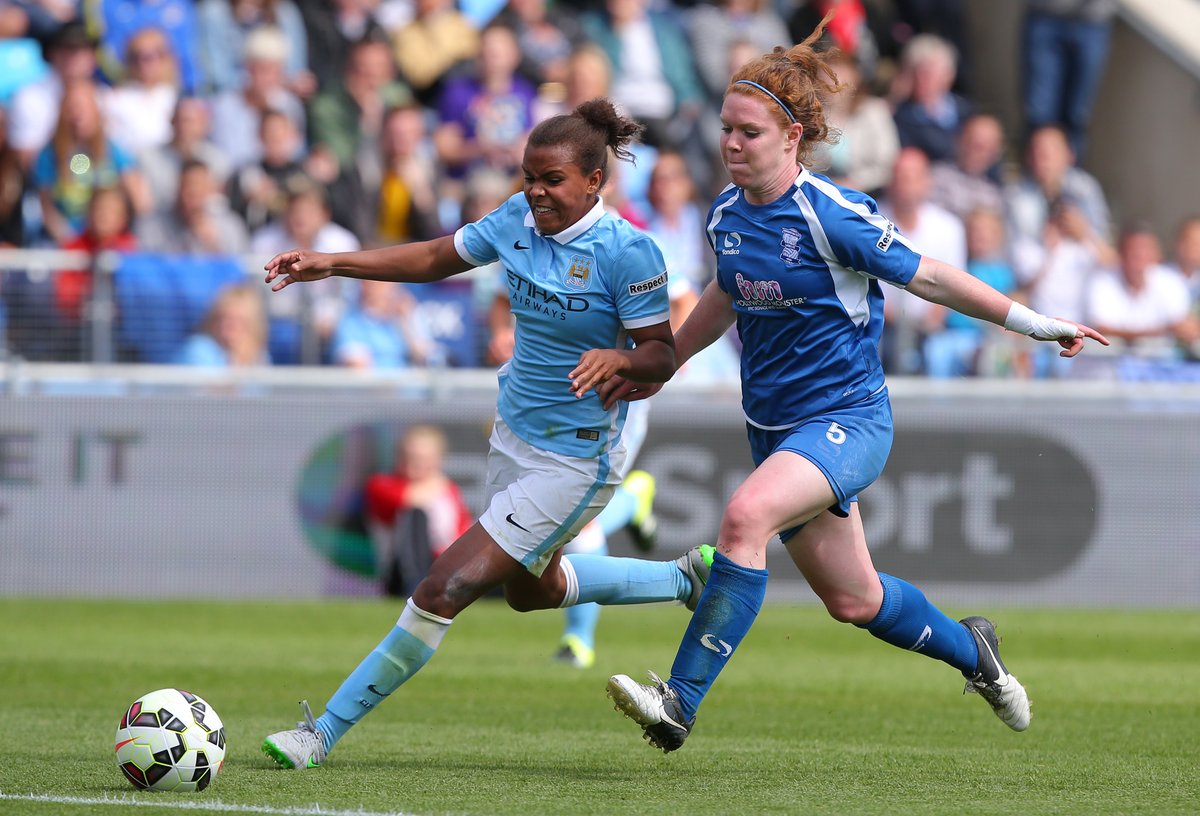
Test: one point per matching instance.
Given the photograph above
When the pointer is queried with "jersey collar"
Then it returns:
(575, 230)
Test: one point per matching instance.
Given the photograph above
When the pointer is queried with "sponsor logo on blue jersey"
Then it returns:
(731, 243)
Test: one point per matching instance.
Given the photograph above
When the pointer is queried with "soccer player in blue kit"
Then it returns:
(798, 264)
(589, 293)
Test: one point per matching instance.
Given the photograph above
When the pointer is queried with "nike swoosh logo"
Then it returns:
(926, 633)
(509, 519)
(517, 245)
(121, 745)
(709, 641)
(371, 688)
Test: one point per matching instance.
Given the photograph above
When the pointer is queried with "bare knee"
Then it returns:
(741, 527)
(522, 600)
(851, 607)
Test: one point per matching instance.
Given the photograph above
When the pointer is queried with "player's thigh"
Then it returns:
(831, 552)
(469, 568)
(786, 489)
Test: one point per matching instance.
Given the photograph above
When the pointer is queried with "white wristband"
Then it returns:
(1023, 320)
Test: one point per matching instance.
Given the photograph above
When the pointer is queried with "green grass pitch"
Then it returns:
(812, 717)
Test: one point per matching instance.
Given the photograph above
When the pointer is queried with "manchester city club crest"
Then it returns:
(579, 272)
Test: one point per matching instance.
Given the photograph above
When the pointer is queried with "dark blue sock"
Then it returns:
(907, 619)
(727, 607)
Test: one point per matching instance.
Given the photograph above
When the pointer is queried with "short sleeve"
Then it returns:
(476, 242)
(641, 293)
(867, 242)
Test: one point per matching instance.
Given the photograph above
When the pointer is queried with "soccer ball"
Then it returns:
(170, 740)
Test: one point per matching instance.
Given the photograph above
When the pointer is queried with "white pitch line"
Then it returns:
(175, 804)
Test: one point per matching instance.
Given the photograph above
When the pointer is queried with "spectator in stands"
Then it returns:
(934, 233)
(1142, 303)
(654, 76)
(972, 180)
(79, 158)
(12, 188)
(303, 320)
(546, 38)
(1057, 271)
(191, 127)
(108, 228)
(955, 347)
(263, 89)
(233, 334)
(486, 113)
(345, 127)
(415, 511)
(676, 222)
(226, 25)
(1187, 264)
(945, 19)
(119, 20)
(200, 223)
(864, 154)
(139, 108)
(383, 331)
(712, 28)
(1064, 48)
(258, 192)
(71, 53)
(1051, 177)
(333, 26)
(39, 19)
(929, 115)
(439, 38)
(408, 193)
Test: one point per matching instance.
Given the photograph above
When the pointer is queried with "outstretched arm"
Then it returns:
(421, 262)
(941, 283)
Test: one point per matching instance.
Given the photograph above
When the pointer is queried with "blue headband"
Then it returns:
(778, 101)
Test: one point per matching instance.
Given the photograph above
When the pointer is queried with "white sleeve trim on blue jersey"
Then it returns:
(873, 218)
(852, 293)
(643, 322)
(460, 244)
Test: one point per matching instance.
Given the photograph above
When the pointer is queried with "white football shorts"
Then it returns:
(537, 500)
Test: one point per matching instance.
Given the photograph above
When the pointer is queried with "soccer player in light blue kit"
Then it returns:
(799, 260)
(590, 296)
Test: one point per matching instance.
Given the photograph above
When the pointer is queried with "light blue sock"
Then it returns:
(727, 608)
(618, 512)
(907, 619)
(398, 657)
(613, 581)
(581, 623)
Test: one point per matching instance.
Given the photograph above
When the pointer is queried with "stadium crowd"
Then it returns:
(197, 139)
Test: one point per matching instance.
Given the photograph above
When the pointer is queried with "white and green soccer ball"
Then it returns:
(170, 740)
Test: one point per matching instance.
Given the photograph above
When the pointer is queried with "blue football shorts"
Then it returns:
(850, 445)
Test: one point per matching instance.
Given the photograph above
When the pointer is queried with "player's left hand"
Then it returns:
(596, 366)
(1072, 344)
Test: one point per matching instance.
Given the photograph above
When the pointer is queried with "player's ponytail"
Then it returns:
(591, 130)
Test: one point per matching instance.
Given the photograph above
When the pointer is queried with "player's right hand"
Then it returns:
(297, 266)
(618, 388)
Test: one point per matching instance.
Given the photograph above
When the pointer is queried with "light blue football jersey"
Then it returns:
(580, 289)
(803, 272)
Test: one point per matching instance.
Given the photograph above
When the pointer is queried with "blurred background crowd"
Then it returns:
(181, 144)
